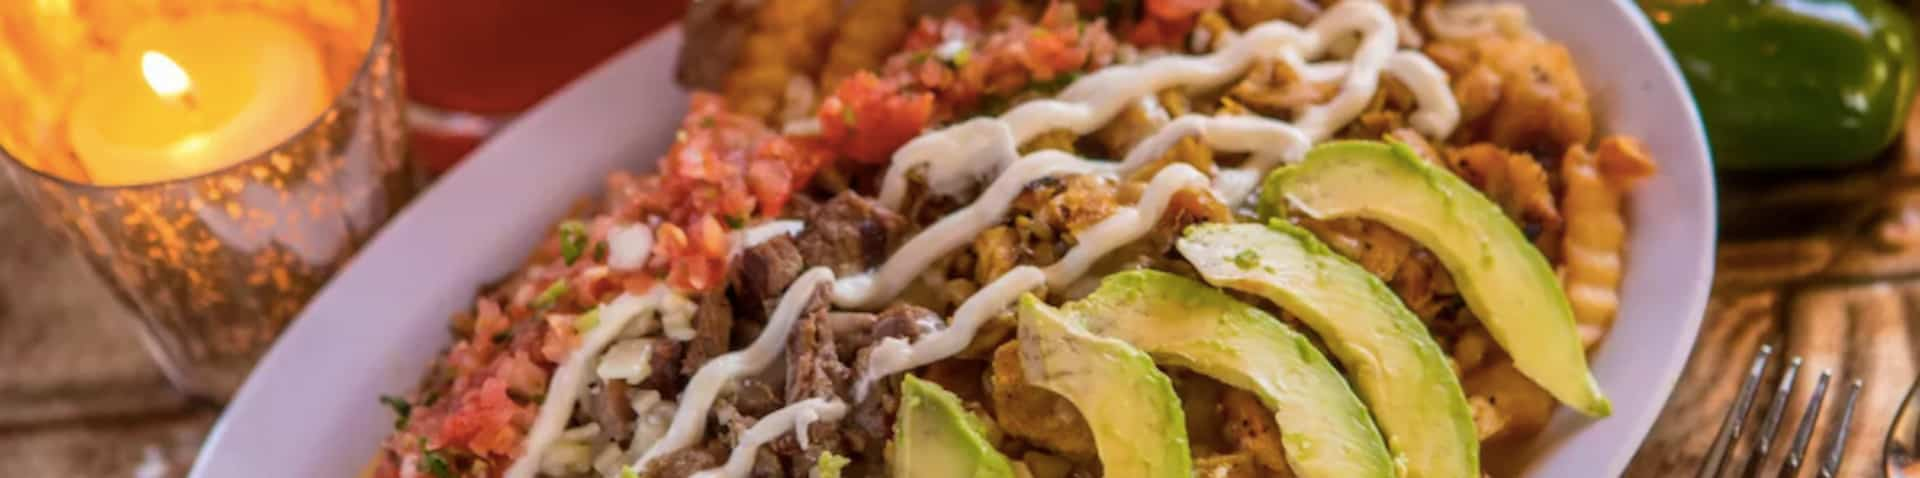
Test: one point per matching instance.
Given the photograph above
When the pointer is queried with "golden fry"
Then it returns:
(1596, 232)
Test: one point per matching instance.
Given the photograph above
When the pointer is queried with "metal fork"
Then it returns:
(1734, 425)
(1902, 453)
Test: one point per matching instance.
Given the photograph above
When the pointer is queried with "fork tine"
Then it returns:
(1736, 417)
(1790, 467)
(1770, 426)
(1836, 449)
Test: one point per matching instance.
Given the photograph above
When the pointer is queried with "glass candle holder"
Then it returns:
(267, 145)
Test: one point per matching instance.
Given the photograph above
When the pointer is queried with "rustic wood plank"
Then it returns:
(1735, 327)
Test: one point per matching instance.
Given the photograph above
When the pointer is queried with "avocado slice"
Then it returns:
(1324, 427)
(1393, 361)
(1504, 279)
(936, 437)
(1139, 430)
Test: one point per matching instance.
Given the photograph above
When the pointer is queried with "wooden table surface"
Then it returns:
(1839, 294)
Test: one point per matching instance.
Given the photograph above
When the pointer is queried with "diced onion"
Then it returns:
(627, 360)
(627, 305)
(628, 246)
(566, 458)
(676, 317)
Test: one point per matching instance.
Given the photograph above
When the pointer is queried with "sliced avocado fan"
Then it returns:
(1504, 279)
(1393, 361)
(1139, 430)
(936, 437)
(1325, 429)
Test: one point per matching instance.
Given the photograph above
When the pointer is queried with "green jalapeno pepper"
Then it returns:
(1793, 84)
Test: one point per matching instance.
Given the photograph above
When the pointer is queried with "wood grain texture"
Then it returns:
(1857, 331)
(1842, 297)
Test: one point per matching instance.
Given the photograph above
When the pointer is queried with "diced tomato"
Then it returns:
(709, 237)
(521, 374)
(866, 119)
(1168, 22)
(561, 338)
(696, 273)
(668, 242)
(990, 67)
(1049, 54)
(487, 321)
(483, 422)
(771, 182)
(1179, 9)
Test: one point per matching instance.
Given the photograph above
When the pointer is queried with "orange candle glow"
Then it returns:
(184, 97)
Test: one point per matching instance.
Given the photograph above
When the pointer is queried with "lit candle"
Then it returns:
(189, 96)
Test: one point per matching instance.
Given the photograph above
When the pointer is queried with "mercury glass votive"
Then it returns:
(215, 161)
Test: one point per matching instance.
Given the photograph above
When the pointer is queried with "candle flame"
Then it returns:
(163, 75)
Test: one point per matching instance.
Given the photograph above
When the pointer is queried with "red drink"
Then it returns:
(490, 59)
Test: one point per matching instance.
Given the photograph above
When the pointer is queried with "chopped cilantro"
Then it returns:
(524, 397)
(600, 251)
(433, 463)
(1246, 259)
(587, 321)
(1054, 85)
(551, 295)
(573, 240)
(830, 465)
(993, 105)
(736, 222)
(961, 57)
(401, 410)
(432, 396)
(706, 122)
(502, 337)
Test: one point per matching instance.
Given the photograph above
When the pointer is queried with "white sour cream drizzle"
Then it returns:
(690, 419)
(793, 418)
(956, 229)
(759, 233)
(630, 243)
(956, 157)
(571, 377)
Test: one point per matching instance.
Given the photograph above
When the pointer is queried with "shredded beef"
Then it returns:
(799, 207)
(608, 405)
(762, 273)
(757, 278)
(713, 329)
(852, 331)
(766, 464)
(871, 421)
(687, 461)
(754, 397)
(905, 321)
(814, 370)
(850, 234)
(665, 377)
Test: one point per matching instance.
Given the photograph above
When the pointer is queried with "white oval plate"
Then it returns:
(310, 408)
